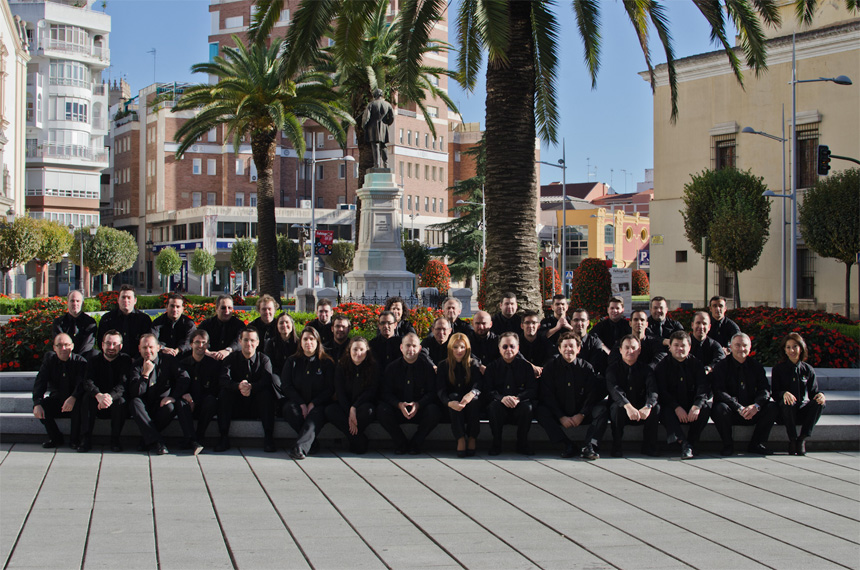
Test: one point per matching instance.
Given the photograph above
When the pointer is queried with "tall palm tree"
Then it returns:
(521, 42)
(255, 97)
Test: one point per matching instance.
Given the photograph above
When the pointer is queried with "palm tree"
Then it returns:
(254, 97)
(521, 41)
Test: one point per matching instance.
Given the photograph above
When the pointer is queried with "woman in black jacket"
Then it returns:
(279, 348)
(458, 382)
(397, 306)
(355, 381)
(795, 391)
(307, 382)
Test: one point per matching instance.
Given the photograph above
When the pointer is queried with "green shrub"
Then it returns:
(92, 305)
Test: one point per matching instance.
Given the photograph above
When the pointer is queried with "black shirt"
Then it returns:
(449, 392)
(631, 384)
(308, 380)
(405, 382)
(798, 379)
(723, 331)
(82, 329)
(510, 379)
(502, 324)
(357, 386)
(437, 352)
(570, 388)
(257, 370)
(740, 385)
(385, 350)
(708, 351)
(610, 332)
(663, 329)
(548, 323)
(166, 379)
(59, 378)
(682, 384)
(325, 330)
(486, 349)
(106, 376)
(174, 334)
(265, 331)
(279, 350)
(536, 351)
(223, 334)
(204, 376)
(131, 326)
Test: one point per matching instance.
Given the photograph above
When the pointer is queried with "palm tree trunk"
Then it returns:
(263, 149)
(511, 192)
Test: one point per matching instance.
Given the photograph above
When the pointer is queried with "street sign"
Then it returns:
(568, 275)
(232, 275)
(644, 259)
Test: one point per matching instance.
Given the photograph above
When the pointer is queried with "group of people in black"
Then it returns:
(512, 368)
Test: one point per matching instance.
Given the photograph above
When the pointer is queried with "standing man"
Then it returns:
(650, 348)
(131, 323)
(707, 350)
(485, 347)
(534, 347)
(633, 391)
(223, 329)
(722, 327)
(377, 120)
(323, 323)
(385, 346)
(571, 394)
(742, 397)
(204, 373)
(408, 394)
(451, 308)
(659, 325)
(593, 351)
(54, 389)
(507, 319)
(614, 327)
(102, 393)
(553, 326)
(512, 389)
(265, 324)
(78, 325)
(436, 343)
(684, 394)
(246, 389)
(156, 388)
(340, 326)
(173, 329)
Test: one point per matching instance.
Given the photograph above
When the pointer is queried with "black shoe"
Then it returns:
(116, 447)
(160, 449)
(196, 448)
(495, 448)
(525, 449)
(617, 451)
(792, 447)
(401, 449)
(461, 453)
(589, 453)
(759, 449)
(650, 451)
(727, 450)
(269, 445)
(52, 443)
(315, 448)
(84, 447)
(801, 446)
(74, 445)
(569, 450)
(223, 445)
(471, 452)
(297, 454)
(686, 451)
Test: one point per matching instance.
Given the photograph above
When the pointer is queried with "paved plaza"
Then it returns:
(249, 509)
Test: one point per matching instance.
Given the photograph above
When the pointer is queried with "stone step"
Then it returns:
(17, 381)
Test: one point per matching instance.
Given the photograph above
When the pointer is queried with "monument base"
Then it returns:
(379, 284)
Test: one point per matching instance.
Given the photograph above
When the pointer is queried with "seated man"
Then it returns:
(408, 394)
(386, 345)
(507, 319)
(323, 323)
(593, 351)
(340, 326)
(633, 391)
(614, 327)
(155, 390)
(204, 373)
(722, 328)
(223, 329)
(435, 345)
(571, 394)
(246, 390)
(651, 348)
(266, 324)
(78, 325)
(534, 347)
(102, 392)
(742, 397)
(451, 308)
(659, 325)
(553, 326)
(684, 394)
(512, 390)
(54, 389)
(485, 346)
(130, 322)
(173, 329)
(703, 347)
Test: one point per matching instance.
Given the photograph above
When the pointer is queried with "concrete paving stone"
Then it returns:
(21, 475)
(263, 558)
(801, 468)
(414, 556)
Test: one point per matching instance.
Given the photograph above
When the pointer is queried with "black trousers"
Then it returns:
(596, 422)
(391, 418)
(649, 425)
(806, 414)
(205, 410)
(151, 417)
(308, 428)
(52, 406)
(675, 429)
(117, 412)
(466, 422)
(260, 404)
(364, 414)
(724, 418)
(499, 415)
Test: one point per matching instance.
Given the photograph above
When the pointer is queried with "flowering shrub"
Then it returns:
(482, 289)
(365, 318)
(238, 299)
(550, 282)
(108, 299)
(591, 287)
(422, 319)
(641, 285)
(24, 339)
(436, 274)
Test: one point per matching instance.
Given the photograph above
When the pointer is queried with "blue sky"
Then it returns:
(607, 130)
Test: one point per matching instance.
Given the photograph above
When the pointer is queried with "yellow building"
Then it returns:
(714, 109)
(604, 234)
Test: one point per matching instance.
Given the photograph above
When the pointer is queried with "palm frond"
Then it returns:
(588, 22)
(471, 43)
(310, 23)
(752, 38)
(545, 33)
(264, 20)
(661, 24)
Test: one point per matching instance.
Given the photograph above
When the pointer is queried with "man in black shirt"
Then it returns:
(78, 325)
(556, 324)
(684, 393)
(507, 319)
(633, 391)
(204, 373)
(703, 347)
(408, 394)
(323, 323)
(722, 327)
(571, 394)
(385, 346)
(435, 344)
(593, 351)
(58, 377)
(451, 308)
(340, 326)
(102, 393)
(659, 325)
(742, 397)
(223, 329)
(650, 348)
(534, 347)
(614, 327)
(512, 390)
(130, 322)
(173, 329)
(266, 325)
(485, 346)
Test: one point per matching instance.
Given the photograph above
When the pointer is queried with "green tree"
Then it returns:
(109, 252)
(243, 256)
(829, 219)
(202, 263)
(19, 242)
(54, 242)
(727, 207)
(417, 255)
(168, 263)
(257, 97)
(341, 258)
(288, 254)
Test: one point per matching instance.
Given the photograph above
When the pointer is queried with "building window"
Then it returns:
(442, 205)
(341, 171)
(210, 167)
(401, 136)
(212, 135)
(409, 170)
(725, 283)
(240, 199)
(577, 245)
(426, 172)
(240, 166)
(426, 204)
(805, 273)
(426, 140)
(409, 201)
(252, 199)
(211, 199)
(195, 230)
(807, 156)
(195, 199)
(681, 256)
(320, 202)
(408, 137)
(180, 232)
(724, 151)
(320, 171)
(401, 169)
(197, 166)
(609, 234)
(441, 143)
(432, 111)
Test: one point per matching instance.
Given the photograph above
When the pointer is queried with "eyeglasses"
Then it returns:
(386, 323)
(507, 346)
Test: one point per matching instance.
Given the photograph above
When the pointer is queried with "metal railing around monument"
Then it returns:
(424, 299)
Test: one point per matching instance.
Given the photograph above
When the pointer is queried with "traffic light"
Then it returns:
(823, 159)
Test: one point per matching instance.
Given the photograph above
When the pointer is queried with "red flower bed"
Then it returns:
(24, 339)
(365, 318)
(641, 285)
(591, 287)
(436, 274)
(108, 299)
(550, 283)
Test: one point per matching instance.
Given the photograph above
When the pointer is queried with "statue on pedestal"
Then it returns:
(376, 121)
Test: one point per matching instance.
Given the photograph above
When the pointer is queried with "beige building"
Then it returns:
(14, 56)
(714, 109)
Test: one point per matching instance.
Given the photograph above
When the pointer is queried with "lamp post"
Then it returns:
(10, 219)
(561, 164)
(313, 236)
(483, 205)
(150, 246)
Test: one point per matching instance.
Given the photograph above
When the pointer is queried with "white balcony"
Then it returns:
(67, 151)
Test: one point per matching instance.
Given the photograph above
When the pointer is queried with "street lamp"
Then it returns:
(10, 219)
(150, 248)
(561, 164)
(314, 161)
(483, 205)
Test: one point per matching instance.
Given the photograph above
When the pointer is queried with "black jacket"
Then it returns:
(723, 331)
(404, 382)
(265, 331)
(351, 388)
(59, 378)
(570, 388)
(174, 334)
(279, 350)
(682, 384)
(652, 351)
(454, 392)
(515, 379)
(325, 330)
(82, 329)
(132, 326)
(308, 380)
(631, 384)
(486, 349)
(223, 335)
(437, 352)
(536, 351)
(708, 351)
(170, 380)
(385, 350)
(799, 379)
(610, 332)
(257, 370)
(664, 329)
(740, 385)
(106, 377)
(204, 376)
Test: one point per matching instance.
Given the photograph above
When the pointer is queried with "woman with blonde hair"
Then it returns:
(458, 382)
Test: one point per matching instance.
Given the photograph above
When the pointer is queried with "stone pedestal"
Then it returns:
(379, 266)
